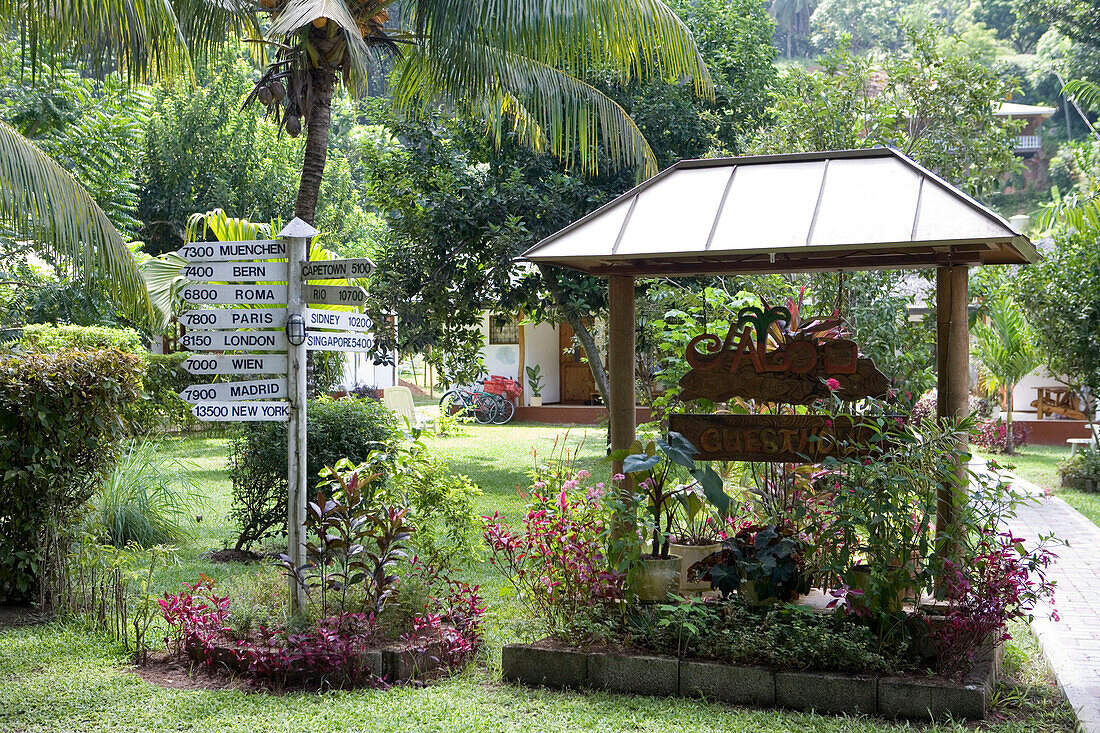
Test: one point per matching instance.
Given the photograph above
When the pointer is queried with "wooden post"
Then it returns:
(299, 234)
(953, 389)
(521, 376)
(620, 363)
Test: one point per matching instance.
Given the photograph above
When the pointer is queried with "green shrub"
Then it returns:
(48, 337)
(336, 429)
(162, 408)
(448, 527)
(60, 423)
(147, 499)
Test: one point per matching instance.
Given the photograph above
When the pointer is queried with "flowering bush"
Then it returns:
(1003, 581)
(330, 653)
(449, 631)
(557, 563)
(993, 435)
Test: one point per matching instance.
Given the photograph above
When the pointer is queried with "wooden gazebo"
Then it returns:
(828, 211)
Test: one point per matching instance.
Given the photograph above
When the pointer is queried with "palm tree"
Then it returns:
(508, 62)
(1005, 348)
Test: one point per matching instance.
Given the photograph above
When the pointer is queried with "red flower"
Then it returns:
(832, 384)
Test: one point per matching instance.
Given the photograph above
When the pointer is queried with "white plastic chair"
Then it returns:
(400, 400)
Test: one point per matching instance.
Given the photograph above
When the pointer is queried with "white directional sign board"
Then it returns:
(250, 411)
(334, 295)
(255, 272)
(254, 389)
(336, 269)
(261, 249)
(320, 318)
(234, 340)
(234, 318)
(236, 364)
(235, 294)
(330, 341)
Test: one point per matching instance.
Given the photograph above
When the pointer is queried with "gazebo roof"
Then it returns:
(838, 210)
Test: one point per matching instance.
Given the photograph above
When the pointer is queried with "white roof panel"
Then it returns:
(847, 209)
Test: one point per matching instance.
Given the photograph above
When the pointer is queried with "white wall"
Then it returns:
(541, 346)
(360, 369)
(500, 359)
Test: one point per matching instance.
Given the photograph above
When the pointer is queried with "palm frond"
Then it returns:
(44, 203)
(207, 24)
(1085, 92)
(225, 228)
(297, 15)
(636, 38)
(1005, 345)
(140, 38)
(550, 107)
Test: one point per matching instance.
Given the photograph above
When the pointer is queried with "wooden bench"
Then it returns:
(1057, 401)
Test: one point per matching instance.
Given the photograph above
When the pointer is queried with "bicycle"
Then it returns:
(486, 407)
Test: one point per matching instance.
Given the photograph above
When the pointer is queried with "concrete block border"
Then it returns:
(919, 698)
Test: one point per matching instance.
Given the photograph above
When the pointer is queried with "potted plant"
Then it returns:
(651, 471)
(695, 534)
(763, 564)
(534, 381)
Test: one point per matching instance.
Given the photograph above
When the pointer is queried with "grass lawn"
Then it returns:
(62, 678)
(1039, 465)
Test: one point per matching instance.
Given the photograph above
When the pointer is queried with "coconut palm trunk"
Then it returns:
(316, 149)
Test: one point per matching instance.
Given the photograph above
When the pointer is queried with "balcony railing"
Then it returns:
(1028, 143)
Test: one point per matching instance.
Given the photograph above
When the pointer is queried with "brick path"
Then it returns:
(1071, 645)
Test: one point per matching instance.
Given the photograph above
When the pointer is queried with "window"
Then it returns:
(503, 330)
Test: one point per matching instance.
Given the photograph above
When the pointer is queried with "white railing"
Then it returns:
(1028, 143)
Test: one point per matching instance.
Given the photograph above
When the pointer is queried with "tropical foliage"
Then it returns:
(1006, 352)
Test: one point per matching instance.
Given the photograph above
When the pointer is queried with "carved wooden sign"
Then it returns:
(774, 438)
(761, 360)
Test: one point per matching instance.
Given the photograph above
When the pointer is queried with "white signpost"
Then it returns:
(336, 341)
(319, 318)
(271, 399)
(250, 411)
(228, 391)
(234, 318)
(234, 340)
(255, 272)
(256, 249)
(334, 295)
(236, 364)
(235, 294)
(336, 269)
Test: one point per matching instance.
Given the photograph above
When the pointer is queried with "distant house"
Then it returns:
(1029, 141)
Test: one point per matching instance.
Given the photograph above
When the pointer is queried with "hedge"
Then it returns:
(61, 419)
(349, 428)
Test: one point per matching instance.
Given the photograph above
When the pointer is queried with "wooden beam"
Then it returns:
(953, 389)
(620, 363)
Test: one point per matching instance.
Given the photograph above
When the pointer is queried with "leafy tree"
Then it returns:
(936, 106)
(1002, 17)
(865, 24)
(1075, 19)
(1005, 348)
(1061, 297)
(792, 19)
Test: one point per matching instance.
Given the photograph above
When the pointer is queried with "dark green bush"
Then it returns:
(48, 337)
(60, 425)
(161, 407)
(336, 429)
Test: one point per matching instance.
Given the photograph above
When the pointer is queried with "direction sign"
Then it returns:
(336, 269)
(255, 272)
(320, 318)
(333, 295)
(271, 294)
(256, 249)
(236, 364)
(329, 341)
(234, 318)
(230, 340)
(250, 390)
(252, 411)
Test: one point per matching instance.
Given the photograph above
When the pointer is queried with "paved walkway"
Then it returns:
(1072, 644)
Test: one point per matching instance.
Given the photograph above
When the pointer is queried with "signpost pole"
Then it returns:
(298, 234)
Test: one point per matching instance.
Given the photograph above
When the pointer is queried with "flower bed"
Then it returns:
(916, 697)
